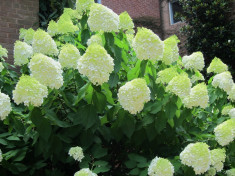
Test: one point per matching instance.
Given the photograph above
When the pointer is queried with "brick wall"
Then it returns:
(145, 13)
(16, 14)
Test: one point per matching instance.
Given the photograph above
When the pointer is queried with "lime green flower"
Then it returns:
(102, 18)
(226, 109)
(22, 53)
(160, 167)
(198, 97)
(130, 39)
(218, 158)
(52, 28)
(43, 43)
(217, 66)
(197, 77)
(1, 67)
(46, 70)
(125, 21)
(97, 38)
(166, 75)
(3, 52)
(29, 36)
(180, 86)
(76, 153)
(85, 172)
(96, 64)
(225, 132)
(224, 81)
(83, 5)
(232, 93)
(211, 172)
(194, 62)
(66, 26)
(133, 95)
(69, 56)
(171, 50)
(148, 45)
(230, 172)
(22, 32)
(73, 14)
(5, 106)
(29, 91)
(197, 155)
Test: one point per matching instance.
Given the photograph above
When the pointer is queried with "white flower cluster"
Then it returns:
(22, 53)
(217, 66)
(133, 95)
(46, 70)
(160, 167)
(232, 113)
(95, 39)
(1, 67)
(43, 43)
(223, 81)
(171, 50)
(225, 132)
(217, 159)
(52, 28)
(198, 97)
(166, 75)
(3, 52)
(230, 172)
(102, 18)
(76, 153)
(125, 21)
(83, 5)
(85, 172)
(180, 86)
(69, 56)
(96, 64)
(5, 106)
(27, 35)
(194, 62)
(231, 94)
(197, 155)
(197, 77)
(226, 109)
(29, 91)
(148, 45)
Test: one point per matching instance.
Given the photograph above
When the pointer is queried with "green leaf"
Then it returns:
(99, 100)
(51, 115)
(134, 72)
(43, 125)
(157, 106)
(170, 109)
(160, 122)
(143, 68)
(113, 80)
(130, 164)
(107, 92)
(98, 151)
(137, 158)
(135, 171)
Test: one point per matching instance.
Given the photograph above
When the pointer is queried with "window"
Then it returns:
(174, 8)
(98, 1)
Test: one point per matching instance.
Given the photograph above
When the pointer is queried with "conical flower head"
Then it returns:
(76, 153)
(65, 25)
(3, 52)
(29, 91)
(125, 21)
(22, 53)
(180, 86)
(96, 64)
(217, 66)
(102, 18)
(171, 50)
(160, 167)
(194, 62)
(232, 93)
(197, 155)
(224, 81)
(28, 36)
(225, 132)
(46, 70)
(83, 5)
(52, 28)
(197, 77)
(226, 109)
(166, 75)
(230, 172)
(133, 95)
(95, 39)
(43, 43)
(69, 56)
(218, 158)
(5, 106)
(232, 113)
(73, 14)
(198, 97)
(85, 172)
(1, 67)
(148, 45)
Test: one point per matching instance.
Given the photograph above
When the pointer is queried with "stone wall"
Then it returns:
(16, 14)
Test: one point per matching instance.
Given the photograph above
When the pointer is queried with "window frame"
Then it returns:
(171, 13)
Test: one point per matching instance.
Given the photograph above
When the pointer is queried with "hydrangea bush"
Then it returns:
(95, 98)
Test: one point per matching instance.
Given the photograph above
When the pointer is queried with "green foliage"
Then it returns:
(210, 28)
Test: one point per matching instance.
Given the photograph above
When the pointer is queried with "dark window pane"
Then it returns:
(176, 9)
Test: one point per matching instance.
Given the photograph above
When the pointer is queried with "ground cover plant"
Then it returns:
(95, 98)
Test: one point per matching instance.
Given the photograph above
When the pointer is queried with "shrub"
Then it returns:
(107, 112)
